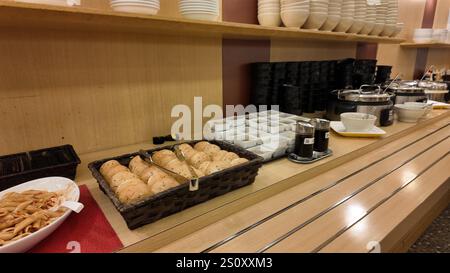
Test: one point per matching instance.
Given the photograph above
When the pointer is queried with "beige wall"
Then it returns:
(307, 50)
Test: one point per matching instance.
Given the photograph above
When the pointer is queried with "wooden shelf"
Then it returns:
(24, 15)
(425, 45)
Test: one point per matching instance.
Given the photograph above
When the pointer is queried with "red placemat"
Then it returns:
(86, 232)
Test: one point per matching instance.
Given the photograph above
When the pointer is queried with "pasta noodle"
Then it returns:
(23, 213)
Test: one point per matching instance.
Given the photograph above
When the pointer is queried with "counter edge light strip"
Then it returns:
(241, 232)
(317, 216)
(382, 201)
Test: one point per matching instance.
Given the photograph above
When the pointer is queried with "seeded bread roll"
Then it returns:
(238, 161)
(211, 150)
(218, 156)
(216, 166)
(108, 166)
(132, 191)
(230, 156)
(198, 158)
(185, 147)
(120, 178)
(179, 167)
(198, 172)
(163, 185)
(113, 171)
(137, 165)
(157, 176)
(163, 156)
(148, 172)
(201, 146)
(204, 167)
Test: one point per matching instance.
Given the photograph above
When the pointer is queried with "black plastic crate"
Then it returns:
(22, 167)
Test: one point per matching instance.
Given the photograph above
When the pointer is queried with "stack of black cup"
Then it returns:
(278, 80)
(321, 100)
(364, 72)
(315, 88)
(261, 84)
(304, 83)
(344, 73)
(383, 74)
(291, 100)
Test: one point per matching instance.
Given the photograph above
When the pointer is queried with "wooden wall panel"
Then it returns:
(99, 90)
(310, 51)
(403, 61)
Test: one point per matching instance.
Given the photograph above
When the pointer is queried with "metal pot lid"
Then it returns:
(405, 87)
(433, 85)
(363, 96)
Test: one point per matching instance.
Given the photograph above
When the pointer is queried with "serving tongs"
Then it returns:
(193, 183)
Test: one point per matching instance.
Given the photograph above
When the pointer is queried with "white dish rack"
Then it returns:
(269, 134)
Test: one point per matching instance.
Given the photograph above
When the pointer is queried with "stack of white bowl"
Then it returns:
(200, 9)
(391, 18)
(360, 16)
(380, 21)
(334, 15)
(347, 16)
(423, 35)
(371, 16)
(398, 29)
(136, 6)
(318, 14)
(440, 35)
(294, 13)
(269, 13)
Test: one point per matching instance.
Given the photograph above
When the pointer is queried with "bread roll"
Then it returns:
(120, 178)
(163, 185)
(159, 155)
(185, 147)
(204, 167)
(211, 150)
(148, 172)
(180, 168)
(113, 171)
(216, 166)
(201, 146)
(198, 158)
(132, 191)
(230, 156)
(156, 177)
(135, 161)
(218, 156)
(238, 161)
(108, 166)
(137, 165)
(198, 172)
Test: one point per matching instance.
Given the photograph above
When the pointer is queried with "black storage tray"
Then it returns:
(179, 198)
(22, 167)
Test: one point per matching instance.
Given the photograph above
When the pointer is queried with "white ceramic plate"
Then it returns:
(46, 184)
(339, 128)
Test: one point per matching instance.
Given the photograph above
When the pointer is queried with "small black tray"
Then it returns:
(22, 167)
(316, 157)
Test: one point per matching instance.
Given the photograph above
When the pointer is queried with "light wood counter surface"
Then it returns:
(273, 178)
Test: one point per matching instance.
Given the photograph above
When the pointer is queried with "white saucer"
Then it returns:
(339, 128)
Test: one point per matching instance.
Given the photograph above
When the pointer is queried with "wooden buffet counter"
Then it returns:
(316, 207)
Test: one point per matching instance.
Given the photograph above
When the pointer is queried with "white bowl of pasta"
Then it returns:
(31, 211)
